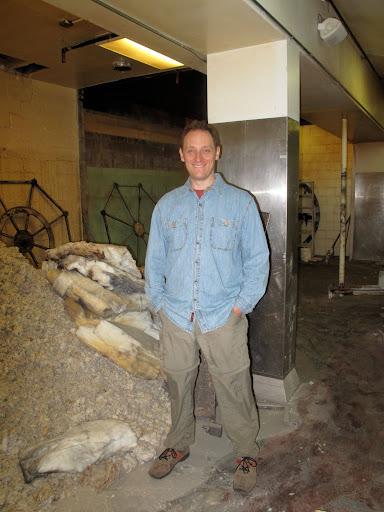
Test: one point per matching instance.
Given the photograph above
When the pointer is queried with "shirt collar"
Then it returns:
(216, 185)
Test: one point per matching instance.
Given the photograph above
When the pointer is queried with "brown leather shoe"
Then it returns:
(245, 474)
(166, 461)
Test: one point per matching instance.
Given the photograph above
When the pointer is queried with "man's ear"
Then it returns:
(218, 152)
(181, 154)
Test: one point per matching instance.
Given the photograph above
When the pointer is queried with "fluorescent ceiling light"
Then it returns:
(141, 53)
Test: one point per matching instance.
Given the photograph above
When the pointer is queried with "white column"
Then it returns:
(256, 82)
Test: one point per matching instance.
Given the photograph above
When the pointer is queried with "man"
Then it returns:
(207, 266)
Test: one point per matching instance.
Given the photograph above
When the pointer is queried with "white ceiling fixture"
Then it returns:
(332, 31)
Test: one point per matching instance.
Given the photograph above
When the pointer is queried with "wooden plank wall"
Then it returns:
(133, 143)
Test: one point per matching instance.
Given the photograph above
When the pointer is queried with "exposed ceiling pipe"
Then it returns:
(276, 22)
(87, 42)
(140, 23)
(343, 201)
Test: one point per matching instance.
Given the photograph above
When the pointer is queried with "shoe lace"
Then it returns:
(167, 454)
(246, 463)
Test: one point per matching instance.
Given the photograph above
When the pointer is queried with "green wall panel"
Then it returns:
(127, 207)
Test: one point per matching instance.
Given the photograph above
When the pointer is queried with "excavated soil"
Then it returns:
(50, 381)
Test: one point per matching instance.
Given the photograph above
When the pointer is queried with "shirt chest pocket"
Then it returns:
(176, 234)
(223, 233)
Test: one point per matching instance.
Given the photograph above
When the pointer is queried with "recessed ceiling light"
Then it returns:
(137, 51)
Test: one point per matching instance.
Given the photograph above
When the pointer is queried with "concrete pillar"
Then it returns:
(253, 99)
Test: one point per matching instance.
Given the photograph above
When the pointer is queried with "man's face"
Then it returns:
(199, 155)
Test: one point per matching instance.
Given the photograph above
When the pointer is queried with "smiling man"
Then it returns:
(199, 152)
(207, 266)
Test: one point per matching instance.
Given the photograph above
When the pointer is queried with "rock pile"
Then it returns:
(51, 382)
(104, 294)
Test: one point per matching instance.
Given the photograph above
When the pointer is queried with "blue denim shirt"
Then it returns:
(206, 255)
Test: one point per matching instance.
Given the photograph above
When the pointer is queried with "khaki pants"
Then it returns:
(226, 352)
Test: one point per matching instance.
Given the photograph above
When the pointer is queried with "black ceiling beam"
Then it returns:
(87, 42)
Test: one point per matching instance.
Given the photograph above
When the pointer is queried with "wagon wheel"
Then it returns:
(27, 229)
(135, 218)
(306, 189)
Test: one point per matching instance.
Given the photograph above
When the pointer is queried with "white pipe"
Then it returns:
(343, 202)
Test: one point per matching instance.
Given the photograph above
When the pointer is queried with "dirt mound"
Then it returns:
(50, 381)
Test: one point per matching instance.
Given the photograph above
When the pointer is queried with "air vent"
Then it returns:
(30, 68)
(8, 62)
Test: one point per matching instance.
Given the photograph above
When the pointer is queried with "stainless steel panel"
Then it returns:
(368, 239)
(291, 245)
(267, 326)
(255, 158)
(262, 156)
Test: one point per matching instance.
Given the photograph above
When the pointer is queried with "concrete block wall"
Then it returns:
(39, 139)
(320, 162)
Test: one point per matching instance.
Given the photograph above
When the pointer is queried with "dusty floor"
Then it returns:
(332, 461)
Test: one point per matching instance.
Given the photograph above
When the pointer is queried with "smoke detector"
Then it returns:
(332, 31)
(121, 65)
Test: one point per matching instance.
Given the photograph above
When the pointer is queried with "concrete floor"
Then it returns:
(137, 492)
(323, 452)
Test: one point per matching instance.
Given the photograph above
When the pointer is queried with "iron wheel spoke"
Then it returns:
(38, 231)
(26, 222)
(41, 246)
(118, 220)
(125, 204)
(33, 258)
(14, 224)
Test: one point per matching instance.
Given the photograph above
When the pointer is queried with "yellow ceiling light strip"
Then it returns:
(137, 51)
